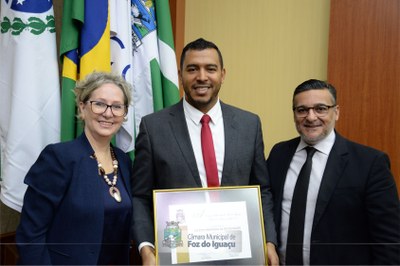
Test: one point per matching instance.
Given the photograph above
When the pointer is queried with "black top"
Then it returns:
(117, 217)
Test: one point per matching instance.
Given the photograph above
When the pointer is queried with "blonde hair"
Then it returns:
(84, 88)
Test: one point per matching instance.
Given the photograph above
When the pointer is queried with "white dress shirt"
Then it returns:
(193, 117)
(318, 166)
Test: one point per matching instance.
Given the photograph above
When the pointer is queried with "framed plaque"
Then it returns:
(209, 226)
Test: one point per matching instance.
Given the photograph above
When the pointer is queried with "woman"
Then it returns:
(77, 208)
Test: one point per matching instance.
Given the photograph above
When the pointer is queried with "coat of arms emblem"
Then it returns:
(172, 235)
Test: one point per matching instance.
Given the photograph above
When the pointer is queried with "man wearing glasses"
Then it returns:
(335, 201)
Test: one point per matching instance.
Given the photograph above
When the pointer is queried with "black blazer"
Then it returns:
(62, 216)
(357, 217)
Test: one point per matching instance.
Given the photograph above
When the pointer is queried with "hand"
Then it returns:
(273, 258)
(148, 256)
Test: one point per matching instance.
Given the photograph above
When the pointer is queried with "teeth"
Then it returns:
(106, 123)
(201, 88)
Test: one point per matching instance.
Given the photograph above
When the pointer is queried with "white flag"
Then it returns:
(29, 89)
(144, 53)
(155, 74)
(121, 63)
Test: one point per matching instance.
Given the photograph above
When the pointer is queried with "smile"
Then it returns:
(106, 124)
(312, 126)
(201, 89)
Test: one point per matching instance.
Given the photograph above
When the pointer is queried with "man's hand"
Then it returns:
(273, 258)
(148, 256)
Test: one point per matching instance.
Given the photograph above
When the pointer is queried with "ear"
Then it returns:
(180, 76)
(223, 73)
(82, 107)
(337, 111)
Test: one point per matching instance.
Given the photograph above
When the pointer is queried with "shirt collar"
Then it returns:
(195, 115)
(324, 146)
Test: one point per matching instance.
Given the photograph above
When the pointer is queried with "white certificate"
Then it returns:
(209, 225)
(211, 231)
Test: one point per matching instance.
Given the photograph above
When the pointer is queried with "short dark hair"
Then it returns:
(199, 45)
(315, 84)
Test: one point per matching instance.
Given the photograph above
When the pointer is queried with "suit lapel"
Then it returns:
(231, 142)
(278, 173)
(283, 168)
(335, 165)
(177, 122)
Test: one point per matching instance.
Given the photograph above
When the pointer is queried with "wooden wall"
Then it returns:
(177, 9)
(364, 66)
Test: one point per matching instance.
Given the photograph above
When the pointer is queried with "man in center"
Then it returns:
(169, 152)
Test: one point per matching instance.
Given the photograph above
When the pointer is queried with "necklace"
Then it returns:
(114, 191)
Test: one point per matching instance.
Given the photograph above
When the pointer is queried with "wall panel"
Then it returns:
(364, 66)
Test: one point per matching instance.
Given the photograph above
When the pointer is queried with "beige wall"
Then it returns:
(269, 47)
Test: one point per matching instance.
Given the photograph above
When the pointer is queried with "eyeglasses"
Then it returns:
(100, 108)
(320, 110)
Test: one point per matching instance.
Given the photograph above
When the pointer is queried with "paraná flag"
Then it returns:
(29, 89)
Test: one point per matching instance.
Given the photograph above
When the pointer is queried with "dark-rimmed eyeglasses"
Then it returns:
(320, 110)
(100, 108)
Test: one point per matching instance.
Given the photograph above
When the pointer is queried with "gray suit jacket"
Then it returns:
(164, 159)
(357, 218)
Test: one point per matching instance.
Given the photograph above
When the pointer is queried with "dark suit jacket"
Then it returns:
(165, 159)
(62, 216)
(357, 218)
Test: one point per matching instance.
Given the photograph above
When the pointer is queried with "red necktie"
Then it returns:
(207, 146)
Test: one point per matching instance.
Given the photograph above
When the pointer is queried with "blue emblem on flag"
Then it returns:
(143, 20)
(31, 6)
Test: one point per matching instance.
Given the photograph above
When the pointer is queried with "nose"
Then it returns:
(311, 114)
(108, 112)
(202, 75)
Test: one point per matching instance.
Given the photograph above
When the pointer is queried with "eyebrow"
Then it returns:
(197, 65)
(317, 104)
